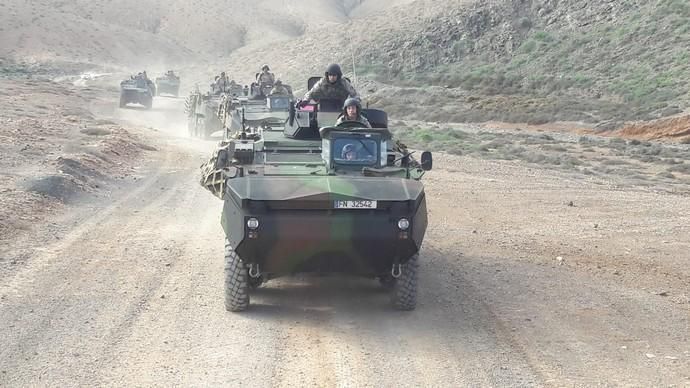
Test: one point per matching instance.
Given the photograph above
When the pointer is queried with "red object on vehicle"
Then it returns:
(308, 108)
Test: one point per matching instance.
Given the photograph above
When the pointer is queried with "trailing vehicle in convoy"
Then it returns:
(235, 112)
(202, 114)
(137, 90)
(308, 196)
(168, 84)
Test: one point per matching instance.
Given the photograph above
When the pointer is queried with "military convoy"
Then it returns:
(140, 89)
(232, 107)
(303, 195)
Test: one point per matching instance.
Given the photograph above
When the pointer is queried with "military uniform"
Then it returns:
(280, 90)
(339, 90)
(360, 118)
(222, 85)
(266, 78)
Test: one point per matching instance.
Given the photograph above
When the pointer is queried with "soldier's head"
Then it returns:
(352, 108)
(279, 83)
(265, 68)
(222, 74)
(333, 73)
(348, 152)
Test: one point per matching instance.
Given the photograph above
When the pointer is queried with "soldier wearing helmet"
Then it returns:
(348, 152)
(221, 84)
(352, 111)
(265, 78)
(332, 85)
(279, 89)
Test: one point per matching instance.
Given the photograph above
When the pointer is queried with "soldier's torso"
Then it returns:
(280, 90)
(265, 78)
(335, 91)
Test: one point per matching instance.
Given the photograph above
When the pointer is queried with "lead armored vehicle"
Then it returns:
(309, 196)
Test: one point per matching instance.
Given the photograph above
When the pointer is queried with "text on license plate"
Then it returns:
(354, 204)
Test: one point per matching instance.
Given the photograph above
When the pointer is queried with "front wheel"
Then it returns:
(148, 103)
(404, 296)
(236, 282)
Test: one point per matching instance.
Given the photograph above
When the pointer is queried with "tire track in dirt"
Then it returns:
(82, 289)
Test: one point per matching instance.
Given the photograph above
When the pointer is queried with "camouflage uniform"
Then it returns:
(360, 118)
(339, 90)
(266, 78)
(222, 84)
(280, 90)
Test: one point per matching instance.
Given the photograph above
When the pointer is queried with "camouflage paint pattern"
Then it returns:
(301, 231)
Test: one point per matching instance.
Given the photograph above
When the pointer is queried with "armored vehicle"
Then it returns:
(236, 112)
(308, 196)
(137, 90)
(168, 84)
(202, 114)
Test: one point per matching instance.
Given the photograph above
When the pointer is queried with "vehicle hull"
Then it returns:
(301, 231)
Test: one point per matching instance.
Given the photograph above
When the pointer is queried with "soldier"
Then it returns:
(352, 111)
(279, 89)
(222, 83)
(141, 80)
(348, 152)
(332, 85)
(265, 77)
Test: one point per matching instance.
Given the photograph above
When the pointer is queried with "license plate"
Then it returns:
(354, 204)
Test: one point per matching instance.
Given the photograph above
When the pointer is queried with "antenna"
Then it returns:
(244, 128)
(352, 54)
(354, 66)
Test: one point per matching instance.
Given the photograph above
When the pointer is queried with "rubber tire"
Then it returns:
(236, 282)
(404, 295)
(200, 127)
(149, 103)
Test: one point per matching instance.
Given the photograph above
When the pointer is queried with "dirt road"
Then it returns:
(517, 288)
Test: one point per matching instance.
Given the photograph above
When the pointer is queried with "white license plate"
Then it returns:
(354, 204)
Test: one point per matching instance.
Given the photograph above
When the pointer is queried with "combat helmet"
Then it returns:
(353, 101)
(334, 69)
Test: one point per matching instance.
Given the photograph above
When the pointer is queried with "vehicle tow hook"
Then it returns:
(254, 271)
(396, 271)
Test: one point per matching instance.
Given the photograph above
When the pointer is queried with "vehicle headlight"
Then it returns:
(403, 224)
(253, 223)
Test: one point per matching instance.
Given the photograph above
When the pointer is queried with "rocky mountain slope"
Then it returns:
(149, 32)
(530, 61)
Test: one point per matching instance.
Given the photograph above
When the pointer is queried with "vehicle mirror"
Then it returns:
(427, 161)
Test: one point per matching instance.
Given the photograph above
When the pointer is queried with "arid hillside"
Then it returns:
(535, 61)
(132, 33)
(520, 61)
